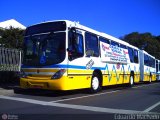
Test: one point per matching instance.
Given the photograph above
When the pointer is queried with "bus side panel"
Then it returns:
(146, 77)
(115, 76)
(120, 77)
(78, 79)
(153, 77)
(137, 77)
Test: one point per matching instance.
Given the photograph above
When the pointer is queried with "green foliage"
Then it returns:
(12, 37)
(145, 41)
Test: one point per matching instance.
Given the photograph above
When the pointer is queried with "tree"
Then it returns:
(146, 41)
(12, 37)
(158, 38)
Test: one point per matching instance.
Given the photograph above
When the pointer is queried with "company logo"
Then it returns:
(116, 49)
(125, 52)
(105, 47)
(89, 64)
(9, 117)
(4, 117)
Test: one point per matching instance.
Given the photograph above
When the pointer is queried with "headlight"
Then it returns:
(58, 74)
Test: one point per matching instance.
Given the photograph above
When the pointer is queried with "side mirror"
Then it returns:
(69, 49)
(73, 35)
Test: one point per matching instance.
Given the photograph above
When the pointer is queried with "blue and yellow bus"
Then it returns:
(65, 55)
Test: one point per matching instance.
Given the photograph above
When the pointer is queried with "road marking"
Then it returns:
(152, 107)
(98, 94)
(85, 96)
(78, 107)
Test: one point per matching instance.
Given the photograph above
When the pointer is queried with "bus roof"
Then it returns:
(78, 25)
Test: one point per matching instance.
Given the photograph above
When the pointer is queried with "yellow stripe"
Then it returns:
(74, 71)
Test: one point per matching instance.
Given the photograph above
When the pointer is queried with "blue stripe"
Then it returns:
(65, 66)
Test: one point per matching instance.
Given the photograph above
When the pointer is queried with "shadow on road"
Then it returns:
(50, 93)
(47, 93)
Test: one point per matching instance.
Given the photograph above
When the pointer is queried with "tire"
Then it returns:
(95, 84)
(131, 81)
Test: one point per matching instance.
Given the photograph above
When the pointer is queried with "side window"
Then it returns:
(151, 62)
(135, 56)
(145, 59)
(91, 43)
(75, 45)
(131, 54)
(156, 65)
(79, 44)
(123, 46)
(114, 43)
(104, 40)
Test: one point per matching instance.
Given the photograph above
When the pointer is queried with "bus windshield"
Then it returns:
(44, 49)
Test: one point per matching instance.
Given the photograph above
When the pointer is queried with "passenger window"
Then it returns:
(123, 46)
(79, 45)
(92, 47)
(146, 59)
(131, 54)
(114, 43)
(104, 40)
(135, 56)
(75, 45)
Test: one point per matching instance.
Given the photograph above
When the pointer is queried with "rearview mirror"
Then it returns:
(73, 35)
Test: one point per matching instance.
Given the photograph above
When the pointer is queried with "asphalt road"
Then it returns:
(139, 102)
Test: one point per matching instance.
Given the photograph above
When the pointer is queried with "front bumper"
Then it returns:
(44, 83)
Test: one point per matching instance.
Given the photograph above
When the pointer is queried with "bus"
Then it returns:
(158, 69)
(65, 55)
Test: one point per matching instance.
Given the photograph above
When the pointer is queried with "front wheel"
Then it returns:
(95, 84)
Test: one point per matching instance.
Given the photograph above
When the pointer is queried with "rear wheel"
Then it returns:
(131, 81)
(95, 83)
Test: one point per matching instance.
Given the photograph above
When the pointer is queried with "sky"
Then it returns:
(114, 17)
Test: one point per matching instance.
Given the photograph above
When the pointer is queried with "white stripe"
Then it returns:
(79, 107)
(152, 107)
(85, 96)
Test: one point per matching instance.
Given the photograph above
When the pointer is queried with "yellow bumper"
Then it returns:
(64, 83)
(44, 83)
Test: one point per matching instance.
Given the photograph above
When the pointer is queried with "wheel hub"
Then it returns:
(95, 83)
